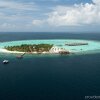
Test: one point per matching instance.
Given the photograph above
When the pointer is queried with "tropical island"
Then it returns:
(37, 48)
(50, 46)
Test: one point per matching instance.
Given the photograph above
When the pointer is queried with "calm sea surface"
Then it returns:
(49, 77)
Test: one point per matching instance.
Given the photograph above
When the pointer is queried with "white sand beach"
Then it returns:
(6, 51)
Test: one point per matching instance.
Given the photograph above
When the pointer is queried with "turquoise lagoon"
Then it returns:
(92, 47)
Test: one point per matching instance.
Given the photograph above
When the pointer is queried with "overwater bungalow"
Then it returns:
(76, 44)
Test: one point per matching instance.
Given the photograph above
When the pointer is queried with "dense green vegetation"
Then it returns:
(30, 48)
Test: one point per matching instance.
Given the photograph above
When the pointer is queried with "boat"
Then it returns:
(5, 61)
(64, 52)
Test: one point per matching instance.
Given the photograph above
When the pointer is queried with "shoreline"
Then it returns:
(18, 52)
(72, 46)
(44, 53)
(7, 51)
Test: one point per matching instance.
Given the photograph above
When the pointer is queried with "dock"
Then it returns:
(20, 56)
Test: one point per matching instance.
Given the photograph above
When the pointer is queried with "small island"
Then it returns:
(37, 48)
(50, 46)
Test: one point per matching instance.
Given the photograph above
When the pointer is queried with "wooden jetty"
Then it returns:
(20, 56)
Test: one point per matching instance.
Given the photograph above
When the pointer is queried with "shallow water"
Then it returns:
(92, 45)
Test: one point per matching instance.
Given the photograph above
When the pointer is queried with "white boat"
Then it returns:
(5, 61)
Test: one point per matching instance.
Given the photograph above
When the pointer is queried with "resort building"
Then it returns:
(56, 49)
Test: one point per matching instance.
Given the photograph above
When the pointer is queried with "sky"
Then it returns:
(50, 15)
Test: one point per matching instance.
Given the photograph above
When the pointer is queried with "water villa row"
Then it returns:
(76, 44)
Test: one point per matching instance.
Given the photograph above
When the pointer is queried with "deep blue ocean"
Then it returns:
(49, 77)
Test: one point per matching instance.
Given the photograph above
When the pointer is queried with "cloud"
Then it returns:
(49, 0)
(7, 25)
(76, 15)
(17, 5)
(16, 14)
(97, 2)
(25, 15)
(37, 22)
